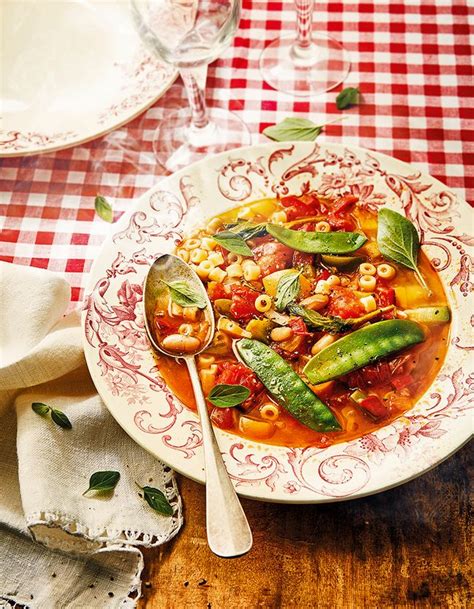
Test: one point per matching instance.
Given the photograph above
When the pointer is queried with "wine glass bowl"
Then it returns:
(190, 34)
(304, 63)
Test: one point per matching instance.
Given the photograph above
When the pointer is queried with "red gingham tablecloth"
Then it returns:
(412, 60)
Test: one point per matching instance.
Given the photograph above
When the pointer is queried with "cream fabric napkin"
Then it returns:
(87, 549)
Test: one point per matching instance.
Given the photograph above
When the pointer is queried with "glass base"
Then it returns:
(304, 72)
(177, 143)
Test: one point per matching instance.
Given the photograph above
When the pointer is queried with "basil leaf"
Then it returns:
(287, 290)
(316, 321)
(60, 419)
(185, 296)
(349, 96)
(104, 209)
(226, 396)
(156, 500)
(247, 230)
(398, 241)
(333, 324)
(292, 128)
(103, 481)
(40, 408)
(233, 243)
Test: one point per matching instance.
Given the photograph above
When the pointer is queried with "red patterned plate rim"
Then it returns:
(123, 83)
(125, 374)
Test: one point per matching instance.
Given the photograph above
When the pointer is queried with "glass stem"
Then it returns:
(304, 20)
(195, 84)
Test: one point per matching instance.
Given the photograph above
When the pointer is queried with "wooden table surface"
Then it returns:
(408, 547)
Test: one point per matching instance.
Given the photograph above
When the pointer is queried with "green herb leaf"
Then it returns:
(398, 241)
(103, 481)
(104, 209)
(233, 243)
(156, 500)
(40, 408)
(333, 324)
(60, 419)
(349, 96)
(185, 296)
(247, 230)
(226, 396)
(293, 128)
(287, 290)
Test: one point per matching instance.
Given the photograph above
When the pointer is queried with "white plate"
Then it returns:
(71, 70)
(124, 371)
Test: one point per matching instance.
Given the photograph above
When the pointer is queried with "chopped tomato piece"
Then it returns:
(229, 373)
(243, 303)
(217, 290)
(401, 381)
(372, 404)
(298, 326)
(370, 376)
(343, 303)
(385, 297)
(344, 204)
(342, 223)
(322, 274)
(302, 260)
(223, 417)
(297, 208)
(307, 227)
(273, 256)
(338, 216)
(167, 324)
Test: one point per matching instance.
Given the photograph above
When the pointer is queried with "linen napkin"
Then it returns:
(59, 548)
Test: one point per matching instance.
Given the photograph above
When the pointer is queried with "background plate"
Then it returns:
(124, 370)
(71, 71)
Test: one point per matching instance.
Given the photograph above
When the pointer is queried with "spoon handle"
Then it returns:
(228, 532)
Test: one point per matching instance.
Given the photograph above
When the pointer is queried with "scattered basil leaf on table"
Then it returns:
(287, 290)
(233, 243)
(156, 500)
(103, 481)
(226, 396)
(104, 209)
(349, 96)
(398, 241)
(40, 408)
(60, 418)
(185, 296)
(293, 128)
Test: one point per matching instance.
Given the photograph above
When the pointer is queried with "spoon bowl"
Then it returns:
(228, 532)
(166, 269)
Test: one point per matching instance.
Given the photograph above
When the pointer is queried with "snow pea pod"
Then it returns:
(362, 347)
(286, 387)
(316, 242)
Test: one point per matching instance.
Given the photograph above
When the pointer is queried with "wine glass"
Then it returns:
(306, 64)
(190, 34)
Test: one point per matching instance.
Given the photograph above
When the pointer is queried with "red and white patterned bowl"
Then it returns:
(125, 374)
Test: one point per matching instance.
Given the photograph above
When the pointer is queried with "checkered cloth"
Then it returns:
(411, 60)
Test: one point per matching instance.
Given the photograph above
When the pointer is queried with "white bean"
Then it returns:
(181, 343)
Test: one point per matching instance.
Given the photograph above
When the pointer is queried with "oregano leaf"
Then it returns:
(60, 418)
(103, 481)
(40, 408)
(156, 500)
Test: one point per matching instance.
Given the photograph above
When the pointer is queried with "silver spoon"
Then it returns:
(228, 532)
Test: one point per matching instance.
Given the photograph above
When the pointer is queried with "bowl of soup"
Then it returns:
(339, 281)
